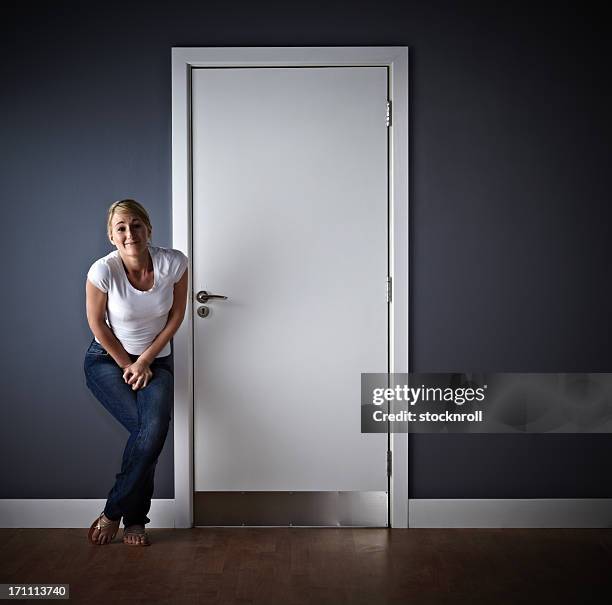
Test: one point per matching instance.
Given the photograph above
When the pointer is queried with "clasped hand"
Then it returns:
(137, 374)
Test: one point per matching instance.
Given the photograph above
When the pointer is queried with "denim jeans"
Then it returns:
(146, 414)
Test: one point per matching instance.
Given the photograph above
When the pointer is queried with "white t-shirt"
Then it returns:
(134, 316)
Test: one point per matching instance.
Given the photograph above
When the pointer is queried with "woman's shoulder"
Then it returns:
(173, 262)
(101, 271)
(110, 260)
(169, 253)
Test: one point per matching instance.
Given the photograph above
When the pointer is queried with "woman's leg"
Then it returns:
(105, 380)
(133, 489)
(145, 413)
(163, 368)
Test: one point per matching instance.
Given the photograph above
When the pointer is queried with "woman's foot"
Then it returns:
(103, 530)
(135, 535)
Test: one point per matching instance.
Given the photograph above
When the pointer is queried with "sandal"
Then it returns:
(101, 523)
(136, 530)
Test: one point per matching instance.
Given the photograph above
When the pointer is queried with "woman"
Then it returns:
(136, 298)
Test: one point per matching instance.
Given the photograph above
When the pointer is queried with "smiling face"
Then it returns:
(129, 234)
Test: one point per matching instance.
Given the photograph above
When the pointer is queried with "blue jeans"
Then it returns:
(146, 414)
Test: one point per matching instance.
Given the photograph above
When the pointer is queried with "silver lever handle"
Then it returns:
(203, 296)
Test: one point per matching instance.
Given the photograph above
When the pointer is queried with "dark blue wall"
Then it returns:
(510, 212)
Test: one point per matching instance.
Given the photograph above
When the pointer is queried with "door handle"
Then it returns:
(203, 296)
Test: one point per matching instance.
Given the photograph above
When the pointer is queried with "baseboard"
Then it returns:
(534, 513)
(451, 513)
(72, 513)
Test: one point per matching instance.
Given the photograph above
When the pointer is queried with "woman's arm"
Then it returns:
(96, 309)
(175, 319)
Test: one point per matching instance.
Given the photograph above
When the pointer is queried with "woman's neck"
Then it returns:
(138, 266)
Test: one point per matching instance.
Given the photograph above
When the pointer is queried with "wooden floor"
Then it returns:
(319, 566)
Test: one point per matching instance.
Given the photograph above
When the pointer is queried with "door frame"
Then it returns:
(184, 59)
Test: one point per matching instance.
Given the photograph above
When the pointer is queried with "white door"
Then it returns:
(290, 222)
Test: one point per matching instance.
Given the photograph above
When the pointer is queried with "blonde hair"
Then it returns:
(131, 207)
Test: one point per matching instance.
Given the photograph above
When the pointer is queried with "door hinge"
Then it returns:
(389, 288)
(389, 463)
(388, 113)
